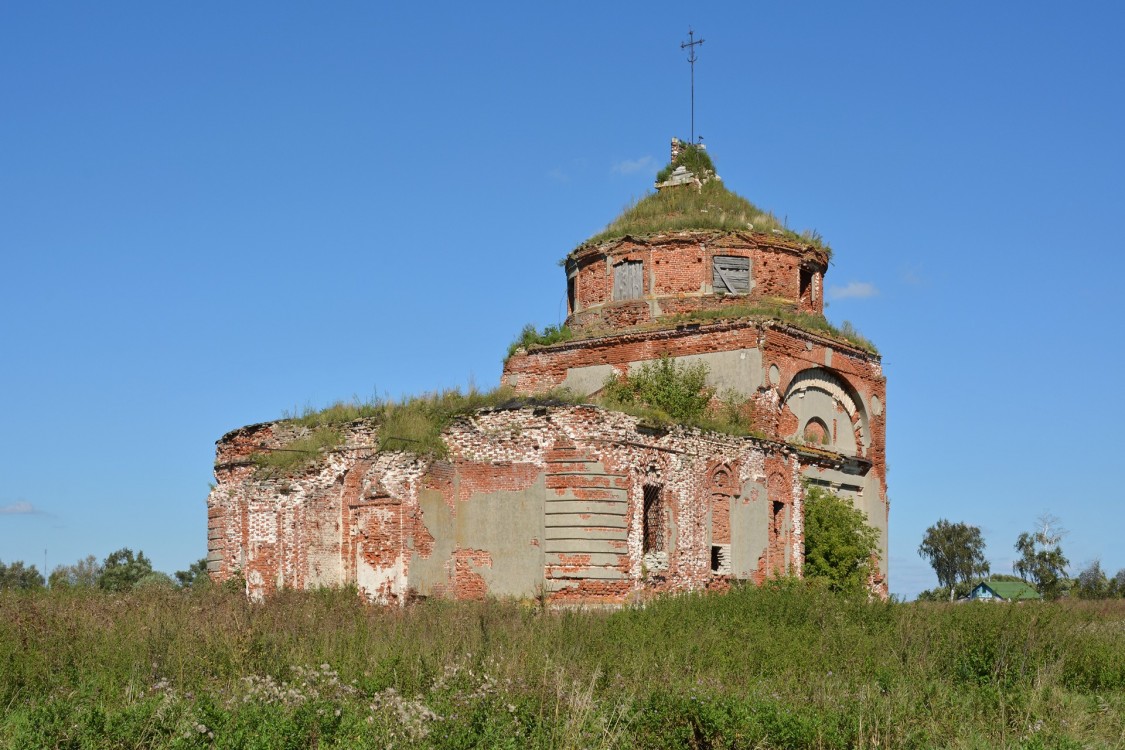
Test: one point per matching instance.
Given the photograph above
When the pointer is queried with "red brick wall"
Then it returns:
(791, 350)
(358, 510)
(678, 272)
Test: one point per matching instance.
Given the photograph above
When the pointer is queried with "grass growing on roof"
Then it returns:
(413, 424)
(785, 313)
(711, 207)
(692, 156)
(299, 453)
(662, 393)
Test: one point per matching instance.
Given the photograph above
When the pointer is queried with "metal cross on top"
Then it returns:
(690, 47)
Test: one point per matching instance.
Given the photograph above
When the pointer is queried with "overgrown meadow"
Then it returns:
(785, 666)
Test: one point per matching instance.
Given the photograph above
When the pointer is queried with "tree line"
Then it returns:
(121, 570)
(956, 553)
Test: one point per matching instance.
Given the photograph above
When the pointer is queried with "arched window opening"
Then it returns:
(816, 432)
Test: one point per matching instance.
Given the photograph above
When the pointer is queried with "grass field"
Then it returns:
(780, 667)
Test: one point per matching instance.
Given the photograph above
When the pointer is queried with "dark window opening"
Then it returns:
(571, 290)
(778, 519)
(730, 274)
(653, 531)
(720, 559)
(806, 284)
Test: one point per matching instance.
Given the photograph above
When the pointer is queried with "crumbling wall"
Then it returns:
(531, 502)
(758, 360)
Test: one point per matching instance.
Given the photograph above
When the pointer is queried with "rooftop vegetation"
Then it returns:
(661, 393)
(781, 311)
(531, 336)
(413, 424)
(711, 207)
(786, 314)
(665, 392)
(694, 158)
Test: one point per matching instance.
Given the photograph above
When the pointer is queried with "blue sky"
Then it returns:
(213, 213)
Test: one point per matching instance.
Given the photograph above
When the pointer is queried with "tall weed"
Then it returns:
(783, 665)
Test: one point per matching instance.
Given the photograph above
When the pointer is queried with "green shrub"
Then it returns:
(530, 336)
(839, 545)
(675, 389)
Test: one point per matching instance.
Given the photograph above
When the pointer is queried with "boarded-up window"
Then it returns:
(731, 274)
(628, 280)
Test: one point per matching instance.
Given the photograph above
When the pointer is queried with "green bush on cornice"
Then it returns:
(531, 336)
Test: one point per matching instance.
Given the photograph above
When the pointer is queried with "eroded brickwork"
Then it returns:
(358, 517)
(576, 504)
(678, 276)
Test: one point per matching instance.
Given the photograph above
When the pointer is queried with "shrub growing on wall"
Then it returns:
(674, 389)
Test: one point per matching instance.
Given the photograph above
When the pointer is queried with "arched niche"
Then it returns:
(829, 412)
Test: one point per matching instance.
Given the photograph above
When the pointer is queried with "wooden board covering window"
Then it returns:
(628, 280)
(731, 274)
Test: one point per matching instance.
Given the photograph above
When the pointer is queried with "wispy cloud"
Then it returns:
(911, 276)
(558, 175)
(19, 508)
(629, 166)
(853, 290)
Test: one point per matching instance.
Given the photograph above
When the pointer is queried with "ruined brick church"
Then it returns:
(575, 503)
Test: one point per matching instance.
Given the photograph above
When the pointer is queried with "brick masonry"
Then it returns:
(678, 276)
(358, 517)
(577, 504)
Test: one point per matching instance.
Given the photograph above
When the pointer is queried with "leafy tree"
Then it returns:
(1042, 562)
(83, 574)
(195, 575)
(1116, 585)
(1092, 583)
(840, 548)
(677, 389)
(20, 576)
(941, 593)
(121, 570)
(154, 580)
(956, 553)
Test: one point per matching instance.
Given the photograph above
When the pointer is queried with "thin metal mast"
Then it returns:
(690, 47)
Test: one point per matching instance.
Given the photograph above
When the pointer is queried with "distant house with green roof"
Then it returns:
(1003, 591)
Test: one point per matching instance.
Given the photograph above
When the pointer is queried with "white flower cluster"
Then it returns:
(309, 683)
(414, 716)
